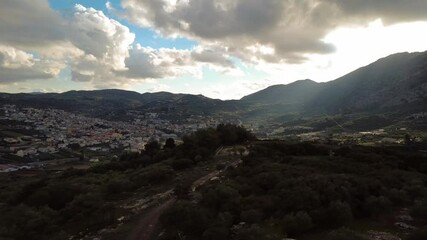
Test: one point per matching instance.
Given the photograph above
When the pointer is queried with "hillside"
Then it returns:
(390, 89)
(112, 104)
(295, 93)
(395, 86)
(389, 84)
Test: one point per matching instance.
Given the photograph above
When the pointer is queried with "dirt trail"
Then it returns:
(148, 224)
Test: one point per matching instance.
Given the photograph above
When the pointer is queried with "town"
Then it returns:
(32, 138)
(37, 137)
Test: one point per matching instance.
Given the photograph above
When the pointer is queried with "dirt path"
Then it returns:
(148, 224)
(201, 181)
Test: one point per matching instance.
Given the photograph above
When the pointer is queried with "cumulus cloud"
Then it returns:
(389, 11)
(84, 39)
(214, 56)
(99, 36)
(291, 28)
(150, 63)
(14, 58)
(37, 42)
(97, 49)
(104, 42)
(30, 24)
(17, 65)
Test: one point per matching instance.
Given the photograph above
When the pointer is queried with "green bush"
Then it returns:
(251, 216)
(295, 224)
(345, 234)
(216, 233)
(420, 234)
(374, 206)
(187, 218)
(337, 214)
(180, 164)
(419, 210)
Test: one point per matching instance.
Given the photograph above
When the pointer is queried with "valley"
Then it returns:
(326, 161)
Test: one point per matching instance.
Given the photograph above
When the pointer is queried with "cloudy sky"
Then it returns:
(220, 48)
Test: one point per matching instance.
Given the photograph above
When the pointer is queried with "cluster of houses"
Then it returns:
(51, 131)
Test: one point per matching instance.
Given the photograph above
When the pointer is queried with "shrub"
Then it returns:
(180, 164)
(295, 224)
(216, 233)
(251, 216)
(420, 234)
(345, 234)
(375, 206)
(419, 210)
(337, 214)
(187, 218)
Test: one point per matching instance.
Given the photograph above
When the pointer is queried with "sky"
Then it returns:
(223, 49)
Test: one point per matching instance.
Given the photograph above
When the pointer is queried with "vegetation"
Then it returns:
(279, 190)
(58, 205)
(292, 190)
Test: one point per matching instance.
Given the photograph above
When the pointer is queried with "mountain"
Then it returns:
(392, 83)
(112, 104)
(397, 83)
(295, 93)
(384, 93)
(390, 88)
(93, 103)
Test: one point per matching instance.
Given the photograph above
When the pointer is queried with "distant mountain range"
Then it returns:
(394, 86)
(397, 81)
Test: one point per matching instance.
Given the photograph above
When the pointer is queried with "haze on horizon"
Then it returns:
(219, 48)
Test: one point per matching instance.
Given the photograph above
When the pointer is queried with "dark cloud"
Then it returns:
(81, 77)
(213, 56)
(10, 75)
(390, 11)
(97, 49)
(30, 24)
(292, 28)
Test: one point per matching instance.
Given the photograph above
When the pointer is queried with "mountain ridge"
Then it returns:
(393, 84)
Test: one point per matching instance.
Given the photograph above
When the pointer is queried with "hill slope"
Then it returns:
(295, 93)
(395, 85)
(391, 83)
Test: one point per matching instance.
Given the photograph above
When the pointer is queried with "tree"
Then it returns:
(187, 218)
(180, 164)
(216, 233)
(251, 216)
(345, 234)
(375, 206)
(337, 214)
(182, 189)
(420, 234)
(295, 224)
(152, 147)
(82, 156)
(169, 144)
